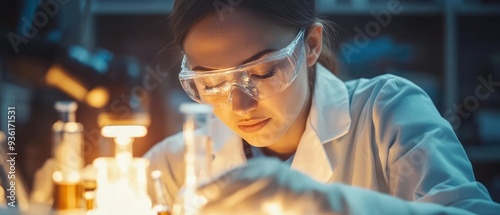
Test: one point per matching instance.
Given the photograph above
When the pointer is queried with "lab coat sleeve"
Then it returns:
(267, 186)
(168, 157)
(425, 162)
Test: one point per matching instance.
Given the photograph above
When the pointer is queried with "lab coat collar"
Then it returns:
(329, 116)
(329, 119)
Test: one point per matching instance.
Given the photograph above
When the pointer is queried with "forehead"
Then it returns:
(227, 39)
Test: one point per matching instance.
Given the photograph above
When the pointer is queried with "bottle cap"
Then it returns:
(66, 106)
(67, 110)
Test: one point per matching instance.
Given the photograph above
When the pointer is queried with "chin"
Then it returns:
(261, 139)
(258, 145)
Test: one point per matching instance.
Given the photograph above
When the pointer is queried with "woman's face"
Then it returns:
(241, 36)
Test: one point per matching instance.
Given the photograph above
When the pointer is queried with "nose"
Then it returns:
(241, 102)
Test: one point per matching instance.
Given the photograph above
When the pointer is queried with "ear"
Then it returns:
(313, 43)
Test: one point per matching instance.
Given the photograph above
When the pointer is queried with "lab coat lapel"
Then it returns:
(311, 158)
(330, 115)
(329, 119)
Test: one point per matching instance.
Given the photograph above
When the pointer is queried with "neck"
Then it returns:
(281, 154)
(288, 144)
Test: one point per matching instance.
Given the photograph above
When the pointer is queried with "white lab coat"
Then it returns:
(382, 134)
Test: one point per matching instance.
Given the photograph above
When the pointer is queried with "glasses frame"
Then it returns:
(286, 52)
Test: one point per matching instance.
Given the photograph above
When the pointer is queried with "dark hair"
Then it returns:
(296, 13)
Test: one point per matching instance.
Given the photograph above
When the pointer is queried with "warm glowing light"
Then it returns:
(272, 208)
(189, 132)
(156, 174)
(100, 164)
(190, 153)
(124, 131)
(122, 193)
(58, 77)
(141, 167)
(123, 152)
(121, 140)
(89, 195)
(57, 176)
(71, 127)
(97, 97)
(134, 118)
(72, 177)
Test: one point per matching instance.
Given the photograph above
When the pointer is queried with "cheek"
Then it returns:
(225, 115)
(286, 107)
(293, 99)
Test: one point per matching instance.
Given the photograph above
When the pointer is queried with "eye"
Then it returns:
(212, 83)
(269, 74)
(212, 87)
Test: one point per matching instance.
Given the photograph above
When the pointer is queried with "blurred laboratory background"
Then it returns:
(117, 56)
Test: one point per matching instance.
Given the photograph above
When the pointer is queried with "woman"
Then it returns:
(373, 146)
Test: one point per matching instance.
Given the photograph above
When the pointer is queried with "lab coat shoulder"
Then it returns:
(360, 159)
(390, 103)
(397, 113)
(421, 158)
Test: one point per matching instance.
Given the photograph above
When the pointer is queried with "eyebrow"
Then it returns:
(254, 57)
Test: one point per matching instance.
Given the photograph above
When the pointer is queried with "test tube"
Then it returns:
(161, 205)
(197, 157)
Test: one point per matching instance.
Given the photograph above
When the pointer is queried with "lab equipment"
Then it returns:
(122, 187)
(161, 205)
(121, 180)
(67, 154)
(197, 157)
(89, 175)
(68, 194)
(68, 142)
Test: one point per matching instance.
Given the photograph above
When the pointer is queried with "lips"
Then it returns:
(250, 126)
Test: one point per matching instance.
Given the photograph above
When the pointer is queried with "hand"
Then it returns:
(264, 186)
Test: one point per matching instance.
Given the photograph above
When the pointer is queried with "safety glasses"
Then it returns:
(260, 79)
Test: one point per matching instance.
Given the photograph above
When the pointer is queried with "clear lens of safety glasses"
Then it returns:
(259, 79)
